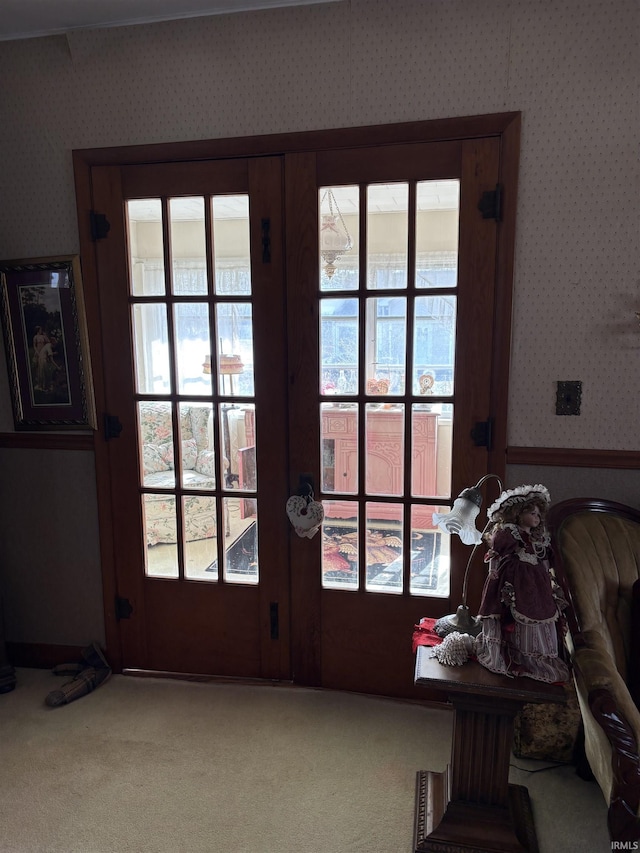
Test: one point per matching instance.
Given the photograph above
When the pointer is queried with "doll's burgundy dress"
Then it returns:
(521, 610)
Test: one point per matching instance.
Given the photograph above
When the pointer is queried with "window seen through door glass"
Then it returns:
(146, 262)
(386, 337)
(339, 340)
(437, 221)
(232, 260)
(188, 246)
(434, 338)
(387, 233)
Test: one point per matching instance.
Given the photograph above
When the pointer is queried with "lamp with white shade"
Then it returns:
(461, 521)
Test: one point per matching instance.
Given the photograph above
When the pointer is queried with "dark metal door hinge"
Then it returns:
(490, 204)
(112, 427)
(100, 225)
(124, 609)
(482, 434)
(274, 620)
(266, 241)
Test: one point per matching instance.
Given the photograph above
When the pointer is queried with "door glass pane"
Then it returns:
(338, 239)
(431, 436)
(200, 542)
(339, 447)
(160, 531)
(192, 345)
(434, 338)
(197, 446)
(231, 244)
(339, 346)
(188, 252)
(384, 548)
(146, 254)
(386, 341)
(235, 349)
(241, 540)
(238, 437)
(151, 343)
(437, 228)
(387, 235)
(385, 450)
(155, 430)
(430, 554)
(340, 552)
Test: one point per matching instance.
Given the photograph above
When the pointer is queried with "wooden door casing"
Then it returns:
(97, 174)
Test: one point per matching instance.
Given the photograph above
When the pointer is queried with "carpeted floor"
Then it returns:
(163, 766)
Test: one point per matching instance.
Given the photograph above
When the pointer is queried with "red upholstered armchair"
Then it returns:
(597, 545)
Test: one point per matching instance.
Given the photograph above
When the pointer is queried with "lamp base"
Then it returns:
(461, 621)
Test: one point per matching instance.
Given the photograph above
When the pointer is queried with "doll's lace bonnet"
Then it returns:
(520, 495)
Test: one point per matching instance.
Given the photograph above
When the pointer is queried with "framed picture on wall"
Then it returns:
(45, 336)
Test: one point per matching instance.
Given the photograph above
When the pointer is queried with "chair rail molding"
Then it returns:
(571, 457)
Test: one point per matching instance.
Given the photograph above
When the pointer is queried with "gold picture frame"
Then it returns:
(46, 342)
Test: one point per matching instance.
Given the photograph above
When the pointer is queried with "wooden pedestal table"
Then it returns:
(471, 807)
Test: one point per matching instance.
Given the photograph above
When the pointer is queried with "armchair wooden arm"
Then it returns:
(597, 548)
(624, 800)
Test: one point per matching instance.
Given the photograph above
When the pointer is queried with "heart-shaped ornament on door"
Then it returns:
(305, 514)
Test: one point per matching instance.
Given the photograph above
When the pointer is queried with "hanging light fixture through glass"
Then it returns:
(335, 239)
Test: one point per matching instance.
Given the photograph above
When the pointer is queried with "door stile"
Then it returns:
(408, 418)
(210, 249)
(508, 179)
(362, 381)
(477, 257)
(266, 203)
(173, 368)
(120, 456)
(304, 445)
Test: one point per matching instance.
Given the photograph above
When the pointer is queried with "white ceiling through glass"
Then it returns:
(434, 195)
(187, 209)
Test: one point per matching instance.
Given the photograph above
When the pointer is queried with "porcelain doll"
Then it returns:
(522, 605)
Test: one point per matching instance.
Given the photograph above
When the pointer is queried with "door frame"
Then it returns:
(505, 126)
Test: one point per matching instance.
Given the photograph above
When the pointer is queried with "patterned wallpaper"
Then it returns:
(571, 66)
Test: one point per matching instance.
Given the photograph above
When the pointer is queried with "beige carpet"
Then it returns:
(162, 766)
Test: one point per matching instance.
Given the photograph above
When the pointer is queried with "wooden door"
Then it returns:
(369, 362)
(192, 314)
(391, 369)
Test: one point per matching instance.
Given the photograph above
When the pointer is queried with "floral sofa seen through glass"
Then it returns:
(198, 470)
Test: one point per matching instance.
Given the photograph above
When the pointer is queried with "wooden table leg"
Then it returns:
(471, 807)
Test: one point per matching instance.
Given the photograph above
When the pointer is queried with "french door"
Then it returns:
(319, 322)
(390, 376)
(192, 317)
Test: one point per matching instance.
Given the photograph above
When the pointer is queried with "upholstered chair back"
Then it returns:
(601, 557)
